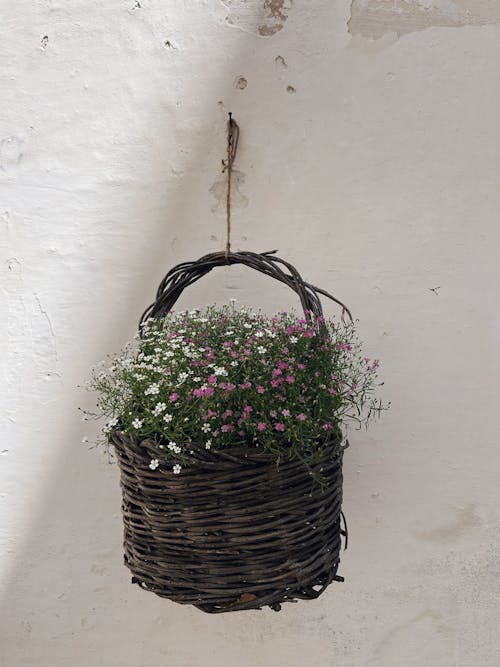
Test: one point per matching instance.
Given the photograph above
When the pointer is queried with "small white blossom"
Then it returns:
(259, 334)
(154, 464)
(218, 370)
(247, 325)
(208, 444)
(137, 423)
(152, 389)
(159, 408)
(174, 447)
(234, 363)
(177, 468)
(293, 339)
(261, 349)
(167, 417)
(206, 428)
(197, 379)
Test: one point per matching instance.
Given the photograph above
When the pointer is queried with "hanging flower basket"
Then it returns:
(231, 502)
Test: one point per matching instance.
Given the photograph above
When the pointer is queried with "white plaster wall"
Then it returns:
(369, 156)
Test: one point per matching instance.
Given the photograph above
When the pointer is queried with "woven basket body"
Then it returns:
(234, 531)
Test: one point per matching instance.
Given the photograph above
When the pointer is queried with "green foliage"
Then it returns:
(226, 377)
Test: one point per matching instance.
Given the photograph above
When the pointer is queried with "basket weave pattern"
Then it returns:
(234, 531)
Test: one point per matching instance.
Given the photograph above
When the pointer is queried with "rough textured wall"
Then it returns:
(369, 157)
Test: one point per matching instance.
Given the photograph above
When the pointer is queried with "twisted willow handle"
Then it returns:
(185, 274)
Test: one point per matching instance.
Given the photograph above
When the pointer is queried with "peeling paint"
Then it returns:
(466, 519)
(11, 151)
(240, 83)
(281, 62)
(373, 19)
(219, 189)
(262, 17)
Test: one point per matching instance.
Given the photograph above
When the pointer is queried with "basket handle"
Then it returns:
(185, 274)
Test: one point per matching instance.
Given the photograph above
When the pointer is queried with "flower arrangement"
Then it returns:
(228, 377)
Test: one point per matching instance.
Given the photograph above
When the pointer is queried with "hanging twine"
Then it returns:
(233, 133)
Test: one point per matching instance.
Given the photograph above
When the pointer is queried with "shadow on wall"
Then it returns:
(68, 600)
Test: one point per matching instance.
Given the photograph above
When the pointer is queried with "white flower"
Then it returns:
(234, 363)
(197, 379)
(229, 333)
(174, 447)
(177, 468)
(167, 417)
(293, 339)
(220, 371)
(247, 325)
(261, 349)
(206, 428)
(154, 464)
(152, 389)
(139, 376)
(259, 334)
(208, 444)
(159, 408)
(137, 423)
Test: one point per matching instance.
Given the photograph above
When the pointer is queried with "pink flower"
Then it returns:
(248, 409)
(276, 383)
(226, 428)
(282, 365)
(227, 413)
(290, 379)
(332, 391)
(279, 427)
(230, 386)
(245, 385)
(327, 427)
(211, 413)
(212, 379)
(173, 397)
(241, 433)
(260, 390)
(261, 426)
(198, 392)
(301, 417)
(285, 413)
(276, 372)
(273, 413)
(301, 366)
(209, 391)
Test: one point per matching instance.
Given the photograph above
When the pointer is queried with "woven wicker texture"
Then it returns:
(235, 530)
(232, 532)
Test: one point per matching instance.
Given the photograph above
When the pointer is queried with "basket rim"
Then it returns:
(335, 444)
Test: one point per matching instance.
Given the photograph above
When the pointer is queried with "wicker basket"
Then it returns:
(236, 530)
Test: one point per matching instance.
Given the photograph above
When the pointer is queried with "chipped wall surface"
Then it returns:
(375, 18)
(369, 156)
